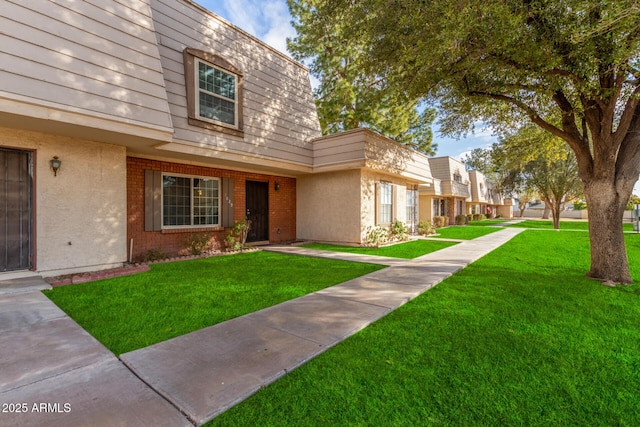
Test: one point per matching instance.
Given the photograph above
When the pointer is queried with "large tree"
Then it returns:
(511, 62)
(545, 165)
(346, 97)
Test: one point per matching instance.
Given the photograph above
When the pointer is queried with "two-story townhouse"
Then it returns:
(450, 194)
(486, 199)
(131, 127)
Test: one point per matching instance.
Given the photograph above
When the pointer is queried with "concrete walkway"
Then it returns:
(47, 358)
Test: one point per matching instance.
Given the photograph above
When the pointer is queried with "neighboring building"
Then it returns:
(449, 194)
(457, 191)
(171, 123)
(361, 180)
(486, 199)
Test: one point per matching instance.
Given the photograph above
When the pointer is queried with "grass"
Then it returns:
(488, 222)
(520, 337)
(407, 250)
(172, 299)
(464, 232)
(544, 224)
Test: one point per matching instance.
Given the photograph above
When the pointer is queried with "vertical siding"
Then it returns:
(96, 57)
(278, 107)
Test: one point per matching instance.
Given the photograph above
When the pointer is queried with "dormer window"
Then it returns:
(217, 96)
(457, 178)
(214, 92)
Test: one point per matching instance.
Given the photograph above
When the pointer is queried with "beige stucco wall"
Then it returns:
(80, 222)
(425, 208)
(328, 207)
(369, 180)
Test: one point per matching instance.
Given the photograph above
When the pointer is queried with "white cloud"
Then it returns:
(269, 20)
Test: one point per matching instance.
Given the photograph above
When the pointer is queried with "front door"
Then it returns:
(16, 210)
(258, 210)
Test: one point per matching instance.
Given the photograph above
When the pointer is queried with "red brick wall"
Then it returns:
(282, 208)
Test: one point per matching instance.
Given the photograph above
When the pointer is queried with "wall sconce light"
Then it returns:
(277, 186)
(55, 165)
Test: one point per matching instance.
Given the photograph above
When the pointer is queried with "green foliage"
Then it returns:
(425, 228)
(198, 243)
(633, 201)
(398, 231)
(375, 236)
(579, 206)
(237, 236)
(348, 98)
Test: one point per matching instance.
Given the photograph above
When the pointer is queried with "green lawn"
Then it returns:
(520, 337)
(172, 299)
(407, 250)
(564, 225)
(488, 222)
(464, 232)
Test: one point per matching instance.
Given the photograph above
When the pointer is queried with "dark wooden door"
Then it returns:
(16, 210)
(258, 210)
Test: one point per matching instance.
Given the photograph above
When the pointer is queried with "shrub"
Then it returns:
(198, 243)
(479, 217)
(398, 232)
(461, 220)
(375, 236)
(425, 228)
(154, 255)
(237, 236)
(440, 221)
(579, 206)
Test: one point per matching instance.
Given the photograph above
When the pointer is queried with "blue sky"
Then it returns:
(270, 21)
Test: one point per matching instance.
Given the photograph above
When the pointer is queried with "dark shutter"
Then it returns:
(152, 200)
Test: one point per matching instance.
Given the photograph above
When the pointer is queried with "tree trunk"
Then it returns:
(545, 213)
(609, 261)
(555, 213)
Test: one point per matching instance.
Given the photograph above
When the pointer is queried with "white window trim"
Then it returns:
(192, 177)
(381, 221)
(197, 90)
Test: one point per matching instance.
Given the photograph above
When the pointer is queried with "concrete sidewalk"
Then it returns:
(46, 357)
(53, 373)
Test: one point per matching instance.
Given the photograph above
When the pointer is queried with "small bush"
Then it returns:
(375, 236)
(154, 255)
(440, 221)
(469, 218)
(237, 236)
(198, 243)
(461, 220)
(479, 217)
(579, 206)
(425, 228)
(398, 232)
